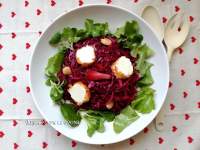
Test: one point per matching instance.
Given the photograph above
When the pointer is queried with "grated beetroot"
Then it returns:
(120, 91)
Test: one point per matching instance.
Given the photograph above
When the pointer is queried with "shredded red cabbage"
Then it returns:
(120, 91)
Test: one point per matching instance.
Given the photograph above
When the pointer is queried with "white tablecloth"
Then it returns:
(21, 23)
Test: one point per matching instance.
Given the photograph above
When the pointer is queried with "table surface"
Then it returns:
(22, 126)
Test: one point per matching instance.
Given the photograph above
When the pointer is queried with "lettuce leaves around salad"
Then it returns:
(65, 40)
(53, 67)
(96, 29)
(95, 120)
(144, 100)
(125, 118)
(129, 37)
(70, 114)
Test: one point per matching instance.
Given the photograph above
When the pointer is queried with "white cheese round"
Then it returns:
(85, 55)
(122, 67)
(79, 93)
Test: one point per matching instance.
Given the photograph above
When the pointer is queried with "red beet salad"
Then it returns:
(107, 92)
(100, 76)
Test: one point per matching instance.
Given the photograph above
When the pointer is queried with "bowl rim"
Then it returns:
(88, 6)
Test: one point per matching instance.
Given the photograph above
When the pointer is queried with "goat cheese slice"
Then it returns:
(85, 55)
(122, 67)
(79, 92)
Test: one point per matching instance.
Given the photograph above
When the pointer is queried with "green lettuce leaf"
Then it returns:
(144, 101)
(125, 118)
(143, 66)
(146, 80)
(53, 67)
(95, 29)
(70, 114)
(107, 115)
(128, 35)
(131, 28)
(54, 64)
(95, 120)
(119, 32)
(56, 92)
(148, 52)
(143, 53)
(94, 123)
(71, 35)
(55, 39)
(51, 79)
(101, 127)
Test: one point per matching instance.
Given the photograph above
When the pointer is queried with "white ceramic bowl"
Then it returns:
(116, 17)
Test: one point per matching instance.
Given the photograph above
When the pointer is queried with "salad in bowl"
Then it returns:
(97, 75)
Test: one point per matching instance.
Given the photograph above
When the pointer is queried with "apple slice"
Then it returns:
(94, 75)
